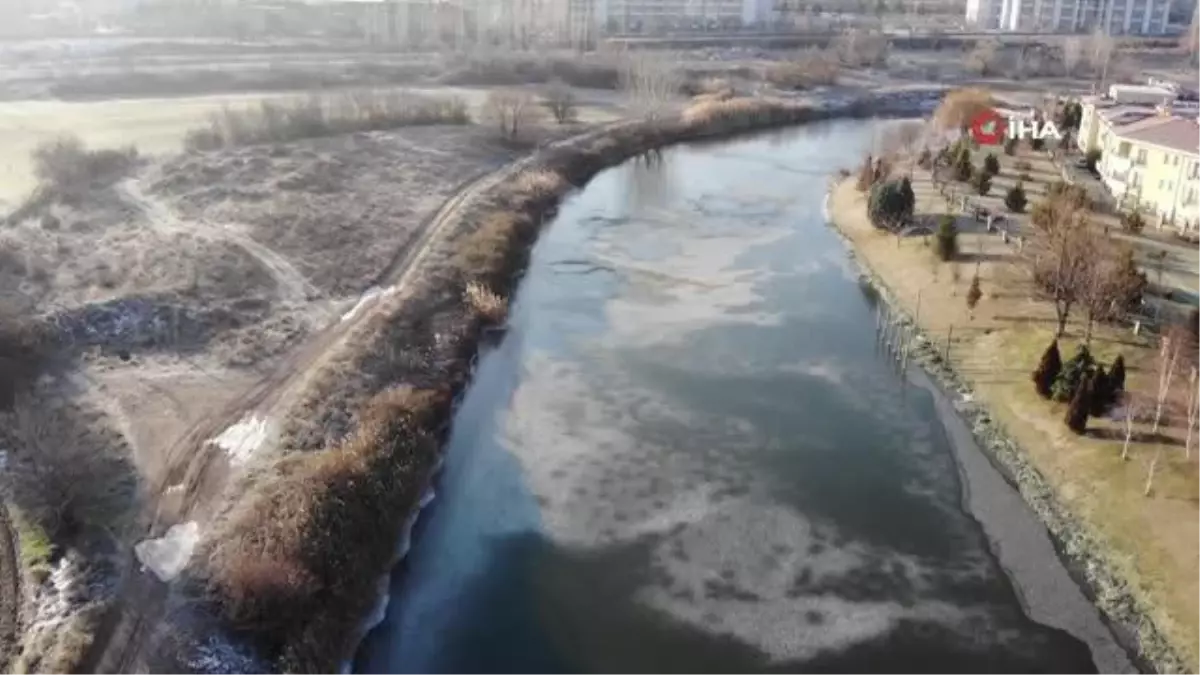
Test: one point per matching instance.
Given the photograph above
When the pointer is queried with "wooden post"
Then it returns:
(917, 314)
(949, 341)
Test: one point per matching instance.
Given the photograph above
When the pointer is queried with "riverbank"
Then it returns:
(421, 340)
(1121, 568)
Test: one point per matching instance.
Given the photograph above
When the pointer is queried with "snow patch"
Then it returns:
(243, 439)
(167, 555)
(372, 294)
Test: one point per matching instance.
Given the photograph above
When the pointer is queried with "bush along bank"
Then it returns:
(291, 567)
(1085, 556)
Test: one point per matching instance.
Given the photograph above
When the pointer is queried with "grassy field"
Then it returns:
(1153, 540)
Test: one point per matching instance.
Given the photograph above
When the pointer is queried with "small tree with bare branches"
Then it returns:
(509, 110)
(651, 82)
(959, 107)
(1072, 54)
(1193, 411)
(1133, 407)
(1060, 258)
(559, 100)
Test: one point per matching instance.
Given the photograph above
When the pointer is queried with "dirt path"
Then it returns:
(192, 473)
(10, 591)
(293, 286)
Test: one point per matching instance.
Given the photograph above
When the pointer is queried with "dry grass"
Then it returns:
(812, 68)
(324, 115)
(298, 558)
(1152, 541)
(503, 69)
(484, 302)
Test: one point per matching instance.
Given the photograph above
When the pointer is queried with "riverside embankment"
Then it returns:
(418, 335)
(689, 453)
(897, 271)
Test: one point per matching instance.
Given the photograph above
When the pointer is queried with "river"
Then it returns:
(689, 454)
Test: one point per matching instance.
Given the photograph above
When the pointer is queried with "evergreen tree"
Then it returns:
(991, 164)
(963, 170)
(982, 182)
(947, 238)
(1016, 200)
(907, 196)
(1077, 412)
(1102, 395)
(1010, 147)
(1073, 372)
(1047, 371)
(973, 295)
(1037, 143)
(1116, 376)
(890, 204)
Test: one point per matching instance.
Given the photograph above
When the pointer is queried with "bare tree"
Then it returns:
(651, 81)
(1100, 50)
(960, 107)
(1112, 284)
(984, 57)
(1134, 406)
(1072, 54)
(560, 101)
(1193, 411)
(1168, 356)
(509, 110)
(1191, 38)
(1060, 257)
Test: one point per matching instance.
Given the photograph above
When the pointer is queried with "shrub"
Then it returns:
(66, 163)
(1015, 200)
(1023, 165)
(559, 100)
(947, 238)
(974, 294)
(1132, 221)
(982, 182)
(1010, 147)
(1077, 411)
(991, 164)
(1024, 177)
(1092, 158)
(280, 566)
(280, 121)
(1073, 373)
(1037, 143)
(925, 159)
(1047, 371)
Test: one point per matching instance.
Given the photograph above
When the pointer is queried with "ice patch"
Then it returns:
(243, 439)
(372, 294)
(167, 555)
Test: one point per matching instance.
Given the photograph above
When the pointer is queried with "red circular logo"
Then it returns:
(988, 128)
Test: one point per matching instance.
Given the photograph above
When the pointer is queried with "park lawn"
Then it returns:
(1153, 541)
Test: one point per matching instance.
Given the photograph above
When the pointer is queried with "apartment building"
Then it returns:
(635, 16)
(1154, 163)
(1126, 104)
(1116, 17)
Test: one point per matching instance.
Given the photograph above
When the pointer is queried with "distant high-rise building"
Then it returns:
(635, 16)
(1115, 17)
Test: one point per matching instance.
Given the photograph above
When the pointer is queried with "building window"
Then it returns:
(1161, 183)
(1141, 157)
(1175, 160)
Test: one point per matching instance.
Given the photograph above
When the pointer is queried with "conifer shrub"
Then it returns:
(1047, 371)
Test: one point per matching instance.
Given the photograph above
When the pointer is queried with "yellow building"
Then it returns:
(1153, 163)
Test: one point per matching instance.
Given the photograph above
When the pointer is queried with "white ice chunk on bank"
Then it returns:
(243, 439)
(168, 555)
